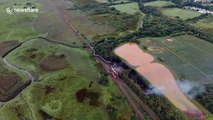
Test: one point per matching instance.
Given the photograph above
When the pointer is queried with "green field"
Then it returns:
(15, 26)
(205, 24)
(181, 13)
(61, 102)
(187, 56)
(159, 3)
(129, 8)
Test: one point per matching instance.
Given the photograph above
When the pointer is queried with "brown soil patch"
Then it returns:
(82, 94)
(49, 89)
(7, 46)
(54, 63)
(8, 82)
(169, 40)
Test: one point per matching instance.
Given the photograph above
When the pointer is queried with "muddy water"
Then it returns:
(157, 74)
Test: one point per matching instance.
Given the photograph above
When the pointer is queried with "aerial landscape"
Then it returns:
(106, 60)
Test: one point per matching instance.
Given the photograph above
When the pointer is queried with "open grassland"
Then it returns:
(159, 3)
(18, 25)
(116, 1)
(129, 8)
(102, 1)
(187, 56)
(181, 13)
(63, 92)
(103, 20)
(36, 52)
(205, 24)
(53, 26)
(89, 28)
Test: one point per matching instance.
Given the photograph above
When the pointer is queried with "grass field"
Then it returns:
(187, 56)
(181, 13)
(53, 95)
(16, 26)
(129, 8)
(102, 1)
(205, 24)
(159, 3)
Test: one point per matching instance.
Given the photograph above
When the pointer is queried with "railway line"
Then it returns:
(114, 75)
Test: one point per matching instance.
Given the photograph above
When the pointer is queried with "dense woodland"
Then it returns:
(206, 98)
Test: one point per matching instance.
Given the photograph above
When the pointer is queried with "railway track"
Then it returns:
(106, 64)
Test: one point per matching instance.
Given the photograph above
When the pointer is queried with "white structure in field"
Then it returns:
(200, 10)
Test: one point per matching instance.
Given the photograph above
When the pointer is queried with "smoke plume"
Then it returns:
(189, 88)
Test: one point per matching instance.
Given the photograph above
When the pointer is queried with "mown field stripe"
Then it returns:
(180, 41)
(181, 57)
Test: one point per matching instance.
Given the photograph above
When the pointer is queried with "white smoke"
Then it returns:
(189, 88)
(153, 90)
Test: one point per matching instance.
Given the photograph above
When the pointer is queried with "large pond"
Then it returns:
(157, 74)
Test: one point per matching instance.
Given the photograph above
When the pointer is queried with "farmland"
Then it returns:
(181, 13)
(129, 8)
(159, 3)
(162, 79)
(59, 63)
(185, 55)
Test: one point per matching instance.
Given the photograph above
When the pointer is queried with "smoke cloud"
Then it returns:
(189, 88)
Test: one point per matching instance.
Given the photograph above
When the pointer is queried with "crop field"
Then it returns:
(187, 56)
(129, 8)
(205, 24)
(16, 26)
(66, 87)
(181, 13)
(159, 3)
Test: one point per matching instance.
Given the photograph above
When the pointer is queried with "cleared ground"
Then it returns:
(187, 56)
(181, 13)
(159, 3)
(129, 8)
